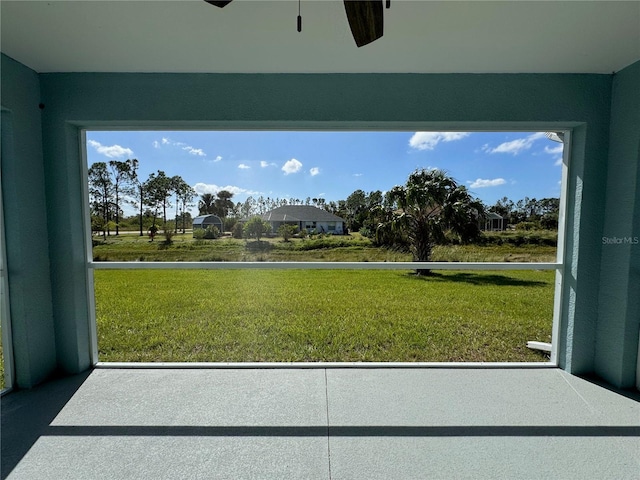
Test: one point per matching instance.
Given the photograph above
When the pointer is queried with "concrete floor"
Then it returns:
(440, 423)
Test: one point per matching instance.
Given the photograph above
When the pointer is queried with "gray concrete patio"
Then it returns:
(346, 423)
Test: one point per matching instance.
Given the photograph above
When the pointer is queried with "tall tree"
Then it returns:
(248, 207)
(223, 203)
(101, 192)
(207, 204)
(503, 207)
(185, 197)
(550, 205)
(184, 194)
(355, 209)
(158, 192)
(138, 192)
(430, 203)
(121, 173)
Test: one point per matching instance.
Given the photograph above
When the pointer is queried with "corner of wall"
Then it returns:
(26, 234)
(618, 327)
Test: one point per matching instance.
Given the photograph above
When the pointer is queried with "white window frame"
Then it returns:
(558, 266)
(5, 311)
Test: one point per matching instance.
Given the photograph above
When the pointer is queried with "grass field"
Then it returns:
(329, 249)
(318, 315)
(321, 315)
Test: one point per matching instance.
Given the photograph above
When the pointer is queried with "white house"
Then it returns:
(305, 217)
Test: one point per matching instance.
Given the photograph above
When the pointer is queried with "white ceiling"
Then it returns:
(250, 36)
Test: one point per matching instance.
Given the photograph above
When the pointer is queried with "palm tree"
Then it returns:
(427, 206)
(207, 204)
(223, 203)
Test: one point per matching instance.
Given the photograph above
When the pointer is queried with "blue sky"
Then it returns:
(332, 165)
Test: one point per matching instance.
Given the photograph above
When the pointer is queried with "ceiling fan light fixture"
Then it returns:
(365, 19)
(218, 3)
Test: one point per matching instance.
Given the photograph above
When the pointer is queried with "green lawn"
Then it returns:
(317, 315)
(328, 248)
(321, 315)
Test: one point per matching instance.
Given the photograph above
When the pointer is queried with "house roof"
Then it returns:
(260, 37)
(206, 219)
(300, 213)
(493, 216)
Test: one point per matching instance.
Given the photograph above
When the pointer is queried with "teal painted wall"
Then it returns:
(619, 310)
(25, 213)
(333, 101)
(408, 101)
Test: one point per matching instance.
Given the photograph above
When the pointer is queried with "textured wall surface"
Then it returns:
(340, 101)
(26, 225)
(619, 312)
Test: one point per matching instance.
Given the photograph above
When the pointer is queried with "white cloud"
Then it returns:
(358, 174)
(242, 166)
(217, 159)
(264, 164)
(188, 148)
(201, 188)
(314, 171)
(429, 140)
(554, 150)
(482, 183)
(514, 146)
(291, 166)
(195, 151)
(557, 150)
(518, 145)
(113, 151)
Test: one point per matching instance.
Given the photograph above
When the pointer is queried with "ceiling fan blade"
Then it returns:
(365, 19)
(218, 3)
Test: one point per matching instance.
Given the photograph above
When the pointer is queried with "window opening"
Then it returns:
(152, 194)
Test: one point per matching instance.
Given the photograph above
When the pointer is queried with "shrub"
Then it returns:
(211, 232)
(549, 221)
(366, 232)
(237, 231)
(168, 234)
(257, 228)
(230, 223)
(287, 231)
(526, 226)
(198, 233)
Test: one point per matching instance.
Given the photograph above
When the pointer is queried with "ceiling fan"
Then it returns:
(365, 18)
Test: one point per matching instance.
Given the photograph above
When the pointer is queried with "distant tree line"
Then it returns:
(363, 211)
(116, 183)
(529, 213)
(431, 208)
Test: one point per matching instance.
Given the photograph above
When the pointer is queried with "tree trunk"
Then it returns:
(175, 227)
(117, 211)
(422, 248)
(141, 200)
